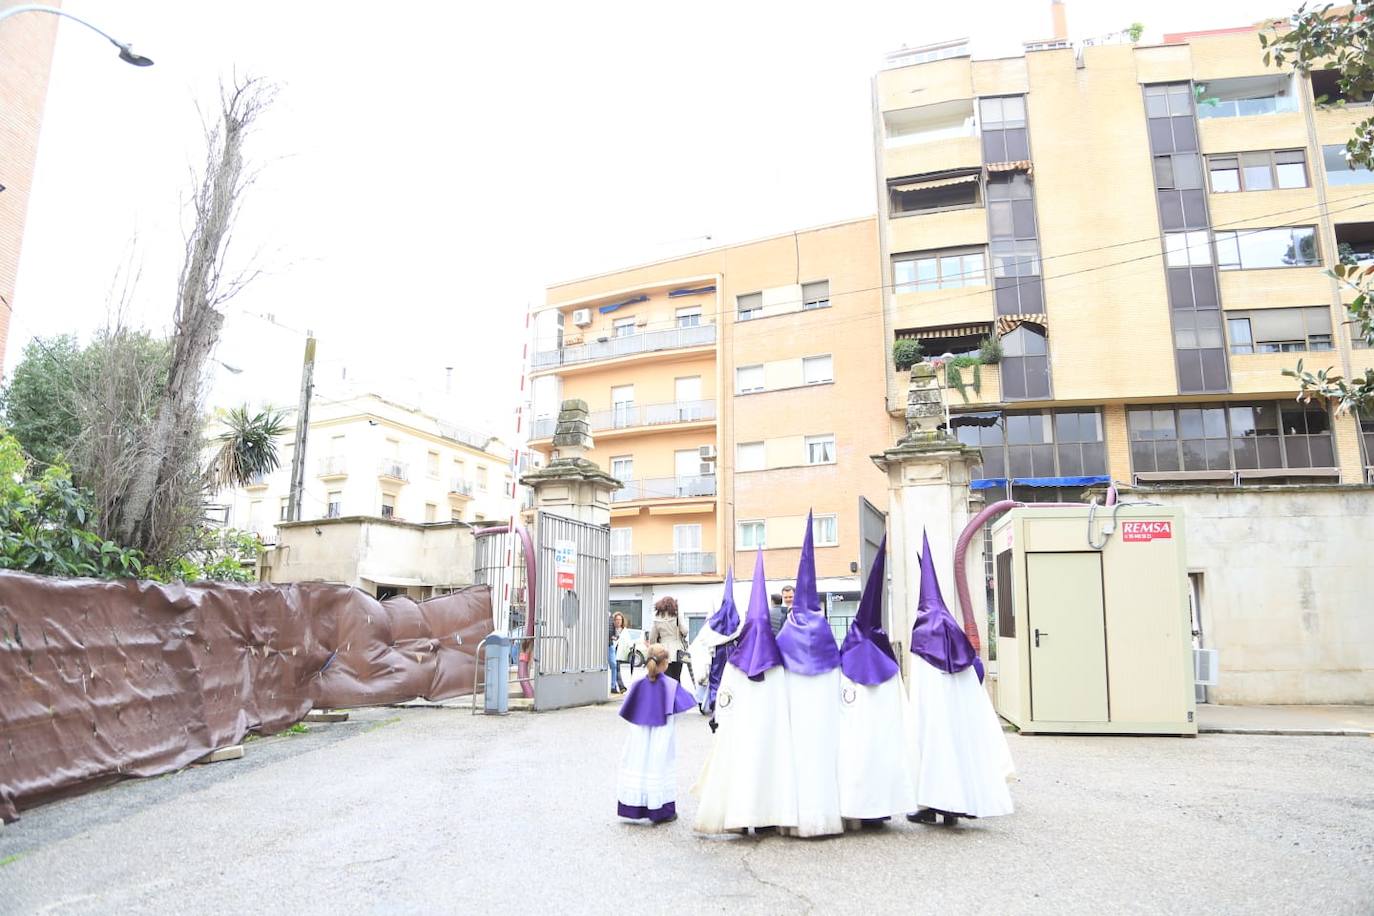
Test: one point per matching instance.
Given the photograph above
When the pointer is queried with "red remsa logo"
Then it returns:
(1146, 531)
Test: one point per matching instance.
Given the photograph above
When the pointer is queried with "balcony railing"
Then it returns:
(680, 563)
(630, 415)
(630, 344)
(396, 470)
(666, 488)
(459, 487)
(332, 466)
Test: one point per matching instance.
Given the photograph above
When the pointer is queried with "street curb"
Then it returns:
(1298, 732)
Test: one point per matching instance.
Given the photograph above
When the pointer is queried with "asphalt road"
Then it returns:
(436, 811)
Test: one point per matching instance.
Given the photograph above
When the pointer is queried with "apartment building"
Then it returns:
(26, 47)
(731, 391)
(370, 456)
(1147, 230)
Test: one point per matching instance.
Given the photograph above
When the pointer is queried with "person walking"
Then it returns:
(668, 631)
(617, 626)
(646, 785)
(777, 616)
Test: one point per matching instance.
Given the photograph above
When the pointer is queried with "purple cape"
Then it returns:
(866, 656)
(808, 647)
(652, 702)
(757, 649)
(937, 636)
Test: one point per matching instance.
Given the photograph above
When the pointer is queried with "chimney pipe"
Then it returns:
(1060, 17)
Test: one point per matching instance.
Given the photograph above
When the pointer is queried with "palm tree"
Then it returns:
(248, 447)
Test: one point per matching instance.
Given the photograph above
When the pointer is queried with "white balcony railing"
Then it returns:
(332, 466)
(459, 487)
(678, 563)
(628, 345)
(631, 415)
(693, 487)
(397, 470)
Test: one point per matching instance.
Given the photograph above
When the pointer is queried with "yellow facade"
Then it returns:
(808, 410)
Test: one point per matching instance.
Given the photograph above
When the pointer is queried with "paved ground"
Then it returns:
(1346, 720)
(435, 811)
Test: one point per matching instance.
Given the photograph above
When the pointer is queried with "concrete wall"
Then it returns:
(367, 552)
(26, 45)
(1285, 592)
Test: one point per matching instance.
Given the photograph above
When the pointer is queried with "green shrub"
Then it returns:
(990, 351)
(906, 353)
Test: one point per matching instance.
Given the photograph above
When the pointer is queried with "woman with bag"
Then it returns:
(668, 631)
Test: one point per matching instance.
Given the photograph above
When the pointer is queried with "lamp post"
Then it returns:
(126, 51)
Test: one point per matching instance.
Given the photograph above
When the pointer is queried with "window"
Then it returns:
(1367, 434)
(750, 456)
(931, 195)
(432, 464)
(689, 317)
(431, 513)
(1339, 169)
(942, 121)
(455, 516)
(622, 553)
(1004, 129)
(816, 295)
(623, 327)
(1035, 443)
(482, 477)
(388, 506)
(1025, 364)
(749, 306)
(623, 468)
(1249, 249)
(750, 535)
(825, 530)
(1280, 330)
(1261, 171)
(1078, 442)
(1178, 184)
(1246, 96)
(748, 379)
(1011, 208)
(950, 269)
(817, 370)
(1006, 613)
(334, 504)
(1169, 114)
(1229, 437)
(623, 411)
(1326, 89)
(284, 510)
(1188, 249)
(820, 449)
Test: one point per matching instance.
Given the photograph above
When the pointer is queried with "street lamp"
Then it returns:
(126, 51)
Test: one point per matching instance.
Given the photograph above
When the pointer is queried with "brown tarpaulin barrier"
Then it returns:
(103, 679)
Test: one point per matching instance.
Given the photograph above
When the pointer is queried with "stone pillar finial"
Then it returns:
(572, 436)
(573, 485)
(925, 407)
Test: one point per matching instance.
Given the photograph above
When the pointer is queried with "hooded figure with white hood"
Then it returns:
(749, 778)
(962, 760)
(874, 764)
(713, 645)
(812, 661)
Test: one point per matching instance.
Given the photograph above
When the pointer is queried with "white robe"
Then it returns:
(814, 705)
(962, 761)
(876, 776)
(648, 769)
(749, 779)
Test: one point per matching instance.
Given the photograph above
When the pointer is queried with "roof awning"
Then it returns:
(934, 183)
(615, 305)
(696, 291)
(1008, 323)
(1085, 481)
(1019, 165)
(981, 329)
(988, 483)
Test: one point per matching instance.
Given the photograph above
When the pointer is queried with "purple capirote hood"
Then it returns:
(807, 644)
(937, 637)
(866, 656)
(757, 649)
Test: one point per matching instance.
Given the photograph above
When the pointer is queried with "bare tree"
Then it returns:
(155, 505)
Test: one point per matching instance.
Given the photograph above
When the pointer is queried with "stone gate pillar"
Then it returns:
(928, 474)
(572, 485)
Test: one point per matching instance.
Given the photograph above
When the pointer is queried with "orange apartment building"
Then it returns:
(731, 391)
(26, 47)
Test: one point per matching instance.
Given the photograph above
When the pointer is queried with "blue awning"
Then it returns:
(1058, 481)
(988, 483)
(692, 292)
(615, 305)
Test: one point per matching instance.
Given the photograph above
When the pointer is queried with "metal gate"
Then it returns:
(508, 576)
(872, 528)
(572, 607)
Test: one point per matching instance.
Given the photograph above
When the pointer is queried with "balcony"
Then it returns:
(696, 487)
(680, 563)
(391, 469)
(628, 345)
(633, 415)
(333, 466)
(257, 482)
(458, 488)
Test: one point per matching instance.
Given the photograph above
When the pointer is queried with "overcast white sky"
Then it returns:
(433, 165)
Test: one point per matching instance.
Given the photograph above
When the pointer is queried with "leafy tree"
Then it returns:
(37, 404)
(1135, 30)
(248, 448)
(1342, 40)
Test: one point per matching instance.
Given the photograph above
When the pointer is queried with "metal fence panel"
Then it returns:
(570, 664)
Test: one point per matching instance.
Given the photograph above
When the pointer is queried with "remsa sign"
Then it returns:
(1147, 531)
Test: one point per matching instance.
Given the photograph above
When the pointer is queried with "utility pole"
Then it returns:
(293, 506)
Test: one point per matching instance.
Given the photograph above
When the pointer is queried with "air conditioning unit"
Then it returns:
(1205, 663)
(582, 317)
(707, 452)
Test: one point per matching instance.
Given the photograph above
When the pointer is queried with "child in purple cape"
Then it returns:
(647, 784)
